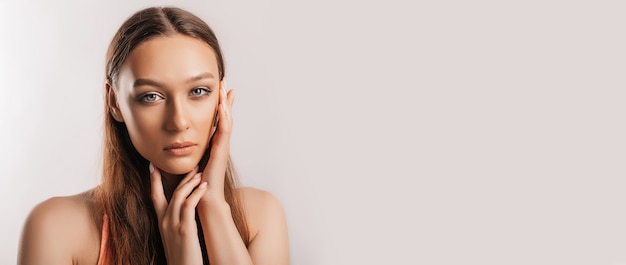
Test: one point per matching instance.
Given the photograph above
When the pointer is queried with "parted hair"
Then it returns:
(134, 236)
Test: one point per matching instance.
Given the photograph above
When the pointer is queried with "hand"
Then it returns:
(177, 220)
(215, 170)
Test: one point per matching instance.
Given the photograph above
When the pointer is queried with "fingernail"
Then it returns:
(202, 185)
(197, 175)
(151, 167)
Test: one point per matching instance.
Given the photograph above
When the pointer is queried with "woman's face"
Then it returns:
(167, 95)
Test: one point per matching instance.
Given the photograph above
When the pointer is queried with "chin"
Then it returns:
(176, 171)
(176, 166)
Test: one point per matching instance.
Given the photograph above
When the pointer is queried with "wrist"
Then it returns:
(212, 204)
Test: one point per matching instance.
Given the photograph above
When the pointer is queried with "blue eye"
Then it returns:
(150, 97)
(199, 91)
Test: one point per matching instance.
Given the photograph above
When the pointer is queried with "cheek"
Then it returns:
(203, 120)
(144, 128)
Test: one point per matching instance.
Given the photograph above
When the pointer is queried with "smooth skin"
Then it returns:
(168, 92)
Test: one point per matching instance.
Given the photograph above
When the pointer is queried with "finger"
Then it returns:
(214, 123)
(181, 193)
(157, 194)
(221, 140)
(219, 154)
(216, 169)
(220, 149)
(224, 106)
(188, 212)
(189, 177)
(228, 93)
(231, 98)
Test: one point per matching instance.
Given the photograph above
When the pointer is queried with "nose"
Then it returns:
(177, 119)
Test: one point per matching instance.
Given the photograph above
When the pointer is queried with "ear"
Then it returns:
(114, 108)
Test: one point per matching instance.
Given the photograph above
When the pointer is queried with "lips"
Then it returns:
(180, 149)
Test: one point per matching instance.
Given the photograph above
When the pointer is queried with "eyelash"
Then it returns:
(143, 98)
(205, 91)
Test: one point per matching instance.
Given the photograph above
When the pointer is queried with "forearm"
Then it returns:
(223, 242)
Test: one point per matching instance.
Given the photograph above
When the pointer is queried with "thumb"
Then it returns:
(157, 194)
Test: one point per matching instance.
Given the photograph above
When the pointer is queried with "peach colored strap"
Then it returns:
(104, 250)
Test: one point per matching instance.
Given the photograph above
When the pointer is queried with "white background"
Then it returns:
(393, 132)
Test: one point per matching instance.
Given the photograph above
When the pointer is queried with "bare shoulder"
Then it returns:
(254, 198)
(61, 230)
(268, 226)
(260, 206)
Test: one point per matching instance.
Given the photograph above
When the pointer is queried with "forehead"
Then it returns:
(170, 59)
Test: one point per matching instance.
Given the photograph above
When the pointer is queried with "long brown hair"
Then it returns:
(125, 189)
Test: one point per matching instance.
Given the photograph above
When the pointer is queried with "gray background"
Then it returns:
(393, 132)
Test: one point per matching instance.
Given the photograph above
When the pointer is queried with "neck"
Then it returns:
(170, 182)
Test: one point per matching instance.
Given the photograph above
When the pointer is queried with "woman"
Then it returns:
(168, 194)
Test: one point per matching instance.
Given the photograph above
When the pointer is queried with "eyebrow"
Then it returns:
(150, 82)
